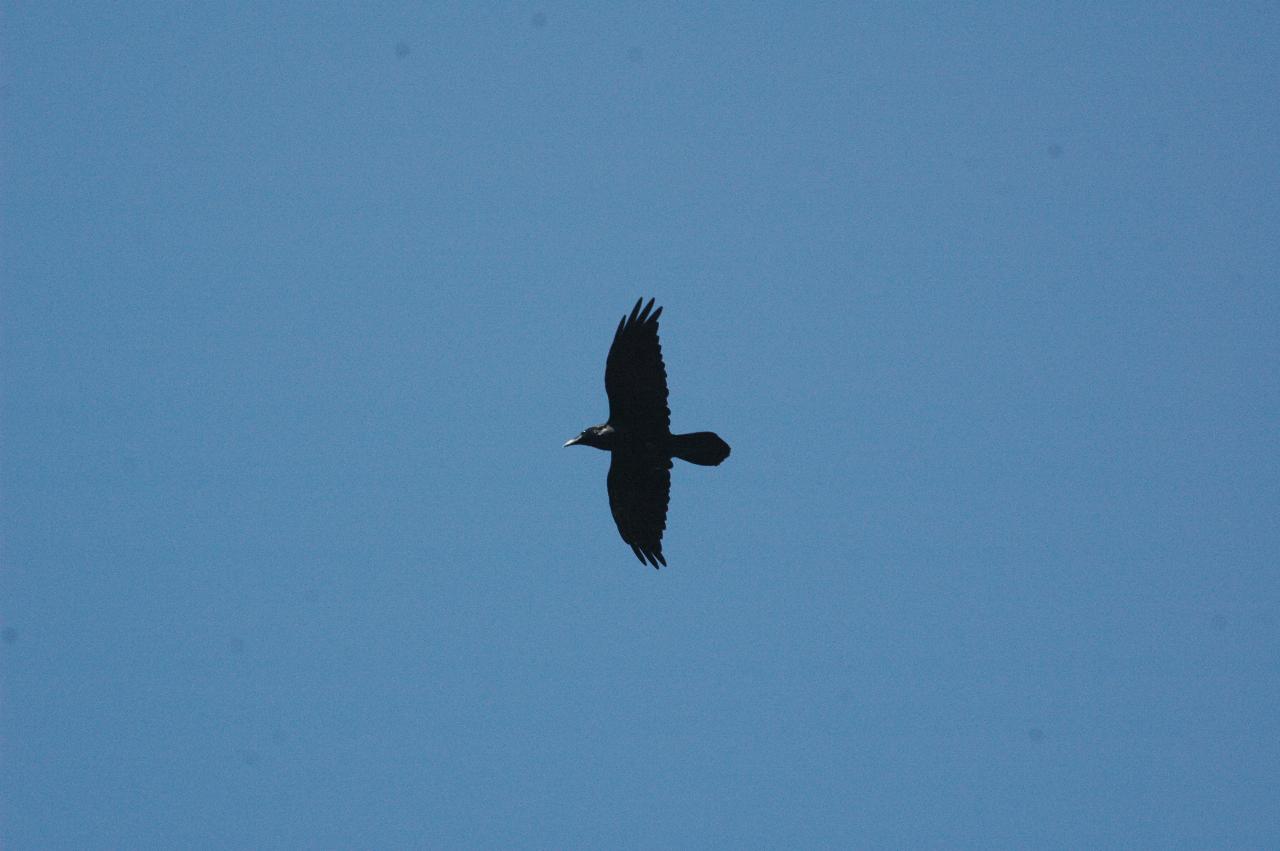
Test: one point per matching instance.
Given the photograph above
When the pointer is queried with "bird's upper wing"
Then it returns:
(639, 489)
(635, 377)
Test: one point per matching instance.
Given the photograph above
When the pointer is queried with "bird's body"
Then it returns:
(638, 435)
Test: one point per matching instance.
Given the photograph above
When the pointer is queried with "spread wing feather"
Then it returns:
(635, 377)
(639, 490)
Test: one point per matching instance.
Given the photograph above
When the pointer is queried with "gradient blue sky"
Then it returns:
(300, 301)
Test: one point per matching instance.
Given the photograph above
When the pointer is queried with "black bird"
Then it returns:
(638, 434)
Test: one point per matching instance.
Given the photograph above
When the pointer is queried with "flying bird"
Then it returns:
(638, 435)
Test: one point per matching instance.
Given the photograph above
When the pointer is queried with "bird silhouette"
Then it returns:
(638, 435)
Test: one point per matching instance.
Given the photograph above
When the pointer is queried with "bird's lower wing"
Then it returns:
(639, 490)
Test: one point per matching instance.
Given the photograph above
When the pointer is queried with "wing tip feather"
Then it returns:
(649, 556)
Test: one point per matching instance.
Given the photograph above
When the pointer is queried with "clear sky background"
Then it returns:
(301, 300)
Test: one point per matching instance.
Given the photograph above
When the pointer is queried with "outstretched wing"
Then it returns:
(639, 489)
(635, 377)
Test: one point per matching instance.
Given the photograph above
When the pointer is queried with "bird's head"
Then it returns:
(599, 436)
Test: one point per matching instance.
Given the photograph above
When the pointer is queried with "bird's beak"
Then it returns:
(573, 441)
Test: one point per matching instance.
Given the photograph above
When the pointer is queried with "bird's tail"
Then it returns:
(700, 447)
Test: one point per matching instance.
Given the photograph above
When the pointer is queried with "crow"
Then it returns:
(638, 435)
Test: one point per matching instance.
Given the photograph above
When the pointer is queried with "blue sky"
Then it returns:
(300, 301)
